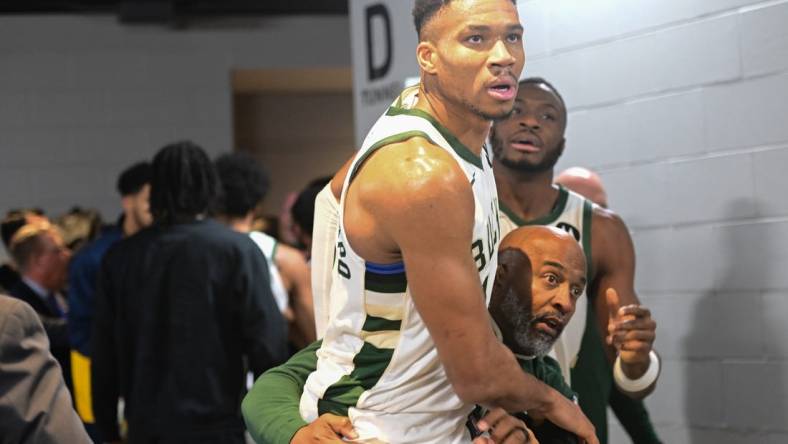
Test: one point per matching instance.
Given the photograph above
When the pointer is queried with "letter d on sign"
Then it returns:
(380, 71)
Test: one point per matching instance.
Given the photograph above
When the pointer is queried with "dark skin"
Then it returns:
(469, 56)
(526, 146)
(545, 267)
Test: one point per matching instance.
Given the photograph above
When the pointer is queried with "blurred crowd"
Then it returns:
(167, 310)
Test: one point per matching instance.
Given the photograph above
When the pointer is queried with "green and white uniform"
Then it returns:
(571, 213)
(580, 349)
(378, 363)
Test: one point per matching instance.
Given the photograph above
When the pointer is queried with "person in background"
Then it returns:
(609, 342)
(303, 212)
(42, 260)
(541, 273)
(133, 185)
(11, 223)
(632, 414)
(35, 406)
(181, 307)
(79, 227)
(585, 183)
(244, 186)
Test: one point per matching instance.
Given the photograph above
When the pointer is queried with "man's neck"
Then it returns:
(35, 284)
(239, 224)
(129, 226)
(467, 126)
(528, 195)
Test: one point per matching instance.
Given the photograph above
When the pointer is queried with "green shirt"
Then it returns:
(271, 408)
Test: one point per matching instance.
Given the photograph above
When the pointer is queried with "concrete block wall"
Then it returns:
(682, 106)
(81, 97)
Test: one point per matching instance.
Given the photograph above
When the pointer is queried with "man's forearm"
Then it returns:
(271, 408)
(507, 386)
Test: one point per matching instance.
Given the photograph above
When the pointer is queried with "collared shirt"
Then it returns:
(43, 293)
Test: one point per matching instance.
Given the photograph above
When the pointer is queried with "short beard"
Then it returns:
(528, 340)
(524, 166)
(487, 116)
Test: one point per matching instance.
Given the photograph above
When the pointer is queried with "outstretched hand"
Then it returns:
(630, 330)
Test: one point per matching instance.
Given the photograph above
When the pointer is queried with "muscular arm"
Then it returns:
(270, 409)
(422, 207)
(614, 267)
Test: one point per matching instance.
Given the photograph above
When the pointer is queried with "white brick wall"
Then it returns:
(83, 97)
(681, 105)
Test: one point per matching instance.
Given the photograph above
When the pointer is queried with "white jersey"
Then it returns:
(378, 363)
(267, 245)
(324, 241)
(572, 213)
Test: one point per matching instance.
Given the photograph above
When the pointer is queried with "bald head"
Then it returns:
(541, 273)
(585, 183)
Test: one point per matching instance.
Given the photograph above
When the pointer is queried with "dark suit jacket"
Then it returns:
(8, 277)
(56, 328)
(35, 406)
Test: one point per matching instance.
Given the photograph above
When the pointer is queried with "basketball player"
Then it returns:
(408, 346)
(527, 146)
(540, 275)
(244, 186)
(631, 413)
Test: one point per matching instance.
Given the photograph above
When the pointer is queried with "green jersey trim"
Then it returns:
(588, 216)
(385, 283)
(558, 208)
(394, 138)
(463, 151)
(374, 323)
(273, 252)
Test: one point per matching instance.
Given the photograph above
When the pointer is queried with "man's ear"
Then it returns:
(426, 56)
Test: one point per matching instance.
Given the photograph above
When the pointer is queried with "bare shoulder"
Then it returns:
(288, 257)
(611, 243)
(607, 224)
(412, 175)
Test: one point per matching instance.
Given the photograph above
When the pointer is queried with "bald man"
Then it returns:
(607, 349)
(585, 183)
(541, 273)
(526, 147)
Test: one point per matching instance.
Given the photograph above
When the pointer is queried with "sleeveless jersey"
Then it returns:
(267, 245)
(571, 213)
(378, 363)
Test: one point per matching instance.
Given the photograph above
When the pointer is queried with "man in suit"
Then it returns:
(35, 406)
(42, 259)
(11, 223)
